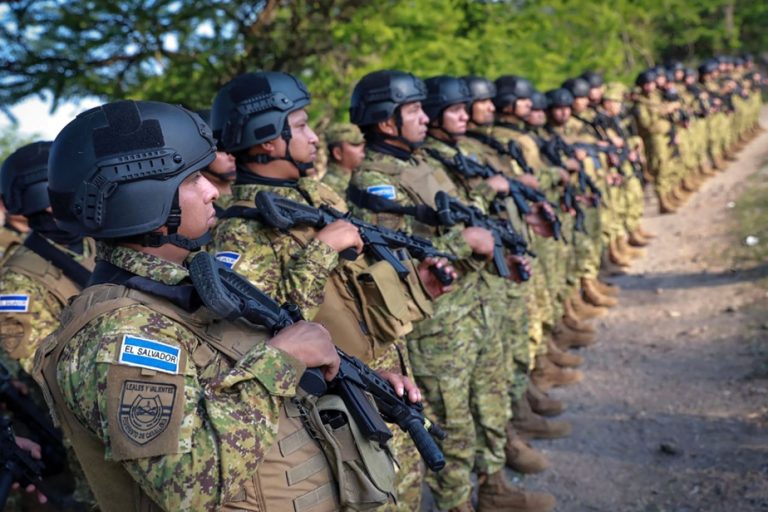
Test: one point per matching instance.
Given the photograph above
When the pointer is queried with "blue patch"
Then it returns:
(151, 354)
(14, 303)
(386, 191)
(228, 258)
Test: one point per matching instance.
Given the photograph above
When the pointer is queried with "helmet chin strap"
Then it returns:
(173, 237)
(286, 135)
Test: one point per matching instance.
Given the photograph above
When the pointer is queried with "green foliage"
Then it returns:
(10, 141)
(182, 51)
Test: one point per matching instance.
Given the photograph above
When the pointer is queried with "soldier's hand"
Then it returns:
(514, 273)
(341, 235)
(529, 180)
(572, 165)
(36, 452)
(499, 184)
(580, 154)
(617, 141)
(311, 344)
(403, 385)
(480, 240)
(538, 222)
(430, 281)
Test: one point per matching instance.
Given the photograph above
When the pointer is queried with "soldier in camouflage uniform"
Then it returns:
(303, 265)
(37, 278)
(393, 179)
(346, 148)
(221, 172)
(172, 408)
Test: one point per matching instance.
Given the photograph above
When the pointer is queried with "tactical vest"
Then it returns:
(365, 307)
(311, 465)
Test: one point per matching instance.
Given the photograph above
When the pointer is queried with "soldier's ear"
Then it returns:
(336, 152)
(387, 127)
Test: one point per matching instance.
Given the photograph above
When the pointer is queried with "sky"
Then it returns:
(34, 117)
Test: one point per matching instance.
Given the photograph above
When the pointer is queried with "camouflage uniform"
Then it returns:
(281, 266)
(335, 176)
(464, 397)
(8, 237)
(212, 444)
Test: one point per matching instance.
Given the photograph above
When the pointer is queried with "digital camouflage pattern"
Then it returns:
(229, 410)
(337, 178)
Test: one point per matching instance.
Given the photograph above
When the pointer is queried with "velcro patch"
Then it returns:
(145, 409)
(228, 258)
(150, 354)
(385, 191)
(14, 303)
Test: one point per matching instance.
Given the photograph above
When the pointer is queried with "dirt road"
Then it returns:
(673, 412)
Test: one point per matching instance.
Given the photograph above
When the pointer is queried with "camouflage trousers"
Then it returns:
(410, 473)
(587, 246)
(459, 366)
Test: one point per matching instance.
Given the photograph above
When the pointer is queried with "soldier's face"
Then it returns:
(303, 144)
(223, 166)
(612, 107)
(580, 104)
(196, 197)
(523, 107)
(455, 119)
(349, 156)
(537, 118)
(596, 94)
(414, 122)
(482, 112)
(649, 87)
(560, 115)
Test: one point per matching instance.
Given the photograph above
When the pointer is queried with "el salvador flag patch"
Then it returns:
(150, 354)
(385, 191)
(228, 258)
(17, 303)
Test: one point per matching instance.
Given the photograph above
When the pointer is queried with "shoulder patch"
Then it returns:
(17, 303)
(151, 354)
(228, 258)
(385, 191)
(145, 409)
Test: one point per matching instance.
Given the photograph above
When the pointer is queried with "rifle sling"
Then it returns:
(71, 268)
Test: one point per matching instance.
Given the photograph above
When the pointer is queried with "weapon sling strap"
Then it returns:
(378, 204)
(71, 268)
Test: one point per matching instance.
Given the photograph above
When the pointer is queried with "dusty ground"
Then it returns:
(673, 412)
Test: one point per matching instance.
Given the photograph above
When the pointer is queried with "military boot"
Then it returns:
(627, 250)
(547, 375)
(521, 456)
(496, 494)
(464, 507)
(595, 297)
(611, 290)
(541, 403)
(666, 205)
(576, 324)
(565, 338)
(561, 358)
(585, 310)
(637, 240)
(530, 425)
(615, 255)
(645, 234)
(690, 184)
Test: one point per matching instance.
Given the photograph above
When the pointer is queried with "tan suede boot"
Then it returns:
(561, 358)
(627, 250)
(585, 310)
(530, 425)
(496, 494)
(565, 338)
(611, 290)
(521, 456)
(615, 255)
(666, 204)
(576, 324)
(547, 375)
(637, 240)
(645, 234)
(541, 403)
(594, 297)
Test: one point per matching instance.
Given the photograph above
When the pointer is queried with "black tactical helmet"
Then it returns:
(708, 67)
(561, 97)
(480, 88)
(690, 72)
(539, 101)
(593, 78)
(253, 108)
(115, 171)
(675, 65)
(578, 87)
(646, 77)
(24, 179)
(442, 92)
(377, 95)
(509, 89)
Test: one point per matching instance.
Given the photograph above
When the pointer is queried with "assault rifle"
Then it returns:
(451, 211)
(557, 144)
(519, 192)
(36, 420)
(232, 296)
(282, 213)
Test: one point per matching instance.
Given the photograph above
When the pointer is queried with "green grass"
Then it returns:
(751, 219)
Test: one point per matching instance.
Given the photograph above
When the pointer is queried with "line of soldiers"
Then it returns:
(414, 253)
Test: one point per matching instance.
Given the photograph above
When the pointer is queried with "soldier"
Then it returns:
(346, 148)
(395, 179)
(363, 303)
(172, 407)
(13, 229)
(38, 276)
(221, 172)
